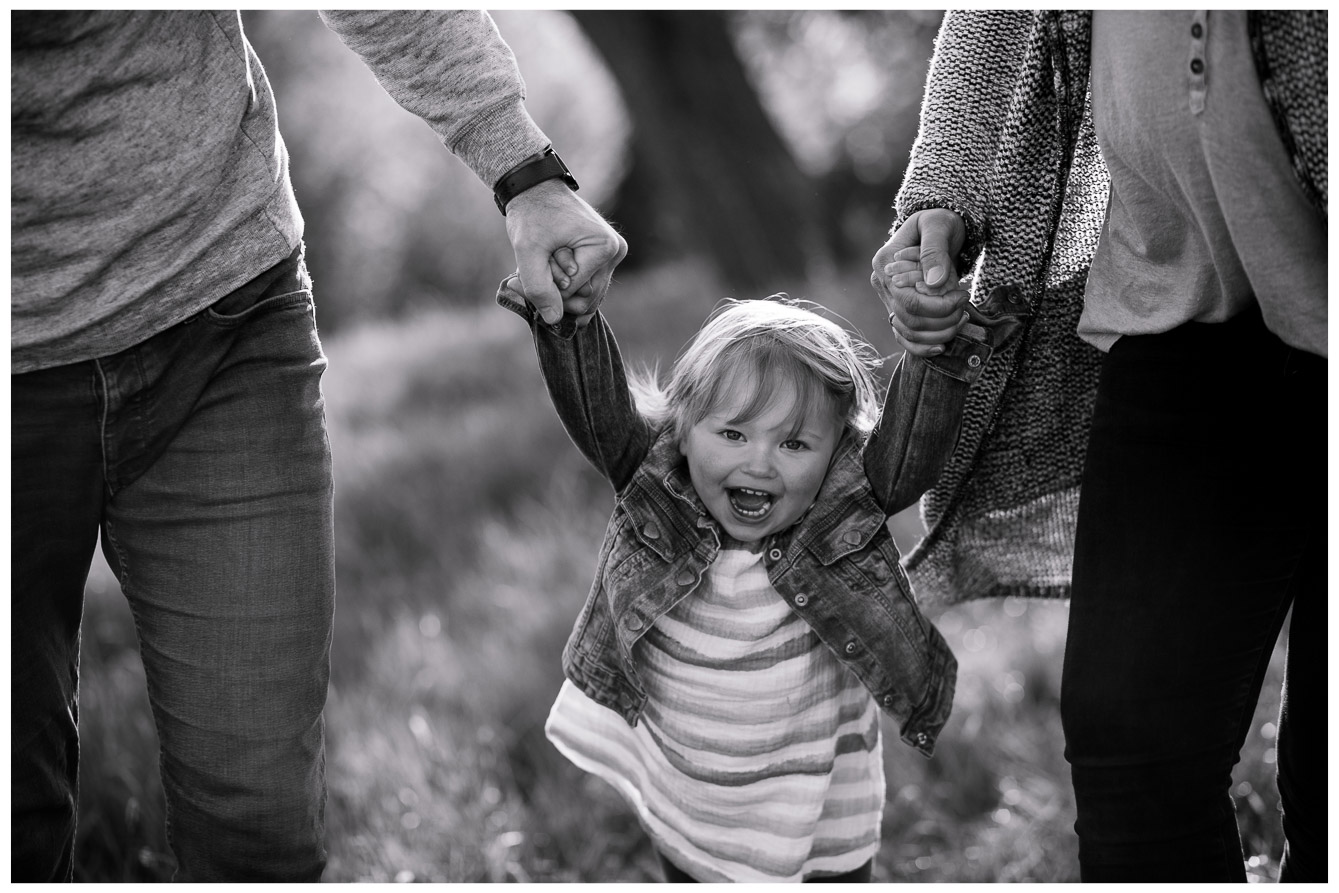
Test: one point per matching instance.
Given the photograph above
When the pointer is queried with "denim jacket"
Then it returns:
(837, 567)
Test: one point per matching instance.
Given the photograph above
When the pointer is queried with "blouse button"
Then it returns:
(850, 647)
(1197, 30)
(1197, 66)
(801, 600)
(775, 554)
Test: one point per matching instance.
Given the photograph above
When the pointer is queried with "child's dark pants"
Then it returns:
(861, 875)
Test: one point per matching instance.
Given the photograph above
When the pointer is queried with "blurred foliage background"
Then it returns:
(741, 153)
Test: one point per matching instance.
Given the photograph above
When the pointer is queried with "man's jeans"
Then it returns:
(1202, 520)
(201, 455)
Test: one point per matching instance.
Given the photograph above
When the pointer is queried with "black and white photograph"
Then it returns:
(669, 446)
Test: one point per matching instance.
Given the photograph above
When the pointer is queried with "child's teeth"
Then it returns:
(751, 503)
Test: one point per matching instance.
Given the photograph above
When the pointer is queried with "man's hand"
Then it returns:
(917, 281)
(545, 218)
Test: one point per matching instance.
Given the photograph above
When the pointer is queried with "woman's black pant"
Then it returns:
(1202, 521)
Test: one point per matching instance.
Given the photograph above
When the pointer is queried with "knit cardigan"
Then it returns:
(1007, 141)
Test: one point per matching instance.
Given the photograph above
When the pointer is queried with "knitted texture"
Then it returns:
(1007, 141)
(1291, 52)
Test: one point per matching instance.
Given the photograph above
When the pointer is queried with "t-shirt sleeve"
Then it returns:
(452, 69)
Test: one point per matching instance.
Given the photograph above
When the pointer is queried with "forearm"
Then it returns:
(452, 69)
(923, 409)
(586, 380)
(916, 433)
(972, 76)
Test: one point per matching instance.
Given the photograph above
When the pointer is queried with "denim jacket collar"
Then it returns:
(829, 528)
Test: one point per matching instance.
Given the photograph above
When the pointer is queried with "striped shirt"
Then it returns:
(758, 756)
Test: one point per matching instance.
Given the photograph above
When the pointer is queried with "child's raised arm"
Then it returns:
(583, 372)
(922, 411)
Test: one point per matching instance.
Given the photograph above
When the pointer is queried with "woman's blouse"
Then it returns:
(758, 757)
(1206, 216)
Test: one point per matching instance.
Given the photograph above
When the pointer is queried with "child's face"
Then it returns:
(757, 477)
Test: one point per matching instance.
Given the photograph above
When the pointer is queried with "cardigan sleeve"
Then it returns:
(967, 98)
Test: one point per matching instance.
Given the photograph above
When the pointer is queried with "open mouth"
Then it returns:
(751, 504)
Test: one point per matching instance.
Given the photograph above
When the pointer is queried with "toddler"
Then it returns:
(749, 617)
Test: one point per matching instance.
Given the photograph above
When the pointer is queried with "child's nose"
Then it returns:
(760, 461)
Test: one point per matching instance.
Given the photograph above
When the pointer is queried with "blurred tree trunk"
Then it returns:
(709, 173)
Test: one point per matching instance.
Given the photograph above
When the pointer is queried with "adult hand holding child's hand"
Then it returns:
(917, 281)
(549, 217)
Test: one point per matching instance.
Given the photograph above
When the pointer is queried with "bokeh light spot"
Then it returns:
(418, 725)
(430, 625)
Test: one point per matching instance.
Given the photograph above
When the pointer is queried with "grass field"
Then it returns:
(467, 531)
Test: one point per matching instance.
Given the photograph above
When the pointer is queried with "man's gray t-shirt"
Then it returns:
(148, 176)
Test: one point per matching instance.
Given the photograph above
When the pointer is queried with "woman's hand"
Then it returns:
(917, 281)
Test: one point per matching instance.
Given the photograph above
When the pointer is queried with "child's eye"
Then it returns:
(795, 445)
(731, 434)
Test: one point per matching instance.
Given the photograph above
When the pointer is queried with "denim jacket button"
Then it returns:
(973, 361)
(685, 578)
(801, 600)
(852, 537)
(651, 532)
(775, 554)
(633, 622)
(888, 700)
(922, 739)
(850, 647)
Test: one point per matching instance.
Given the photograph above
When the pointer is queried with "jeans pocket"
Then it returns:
(282, 286)
(230, 311)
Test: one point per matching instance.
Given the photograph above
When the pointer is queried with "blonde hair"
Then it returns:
(765, 341)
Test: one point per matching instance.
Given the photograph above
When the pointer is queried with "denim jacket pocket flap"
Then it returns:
(848, 532)
(653, 528)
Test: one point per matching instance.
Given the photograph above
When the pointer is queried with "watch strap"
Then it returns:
(547, 166)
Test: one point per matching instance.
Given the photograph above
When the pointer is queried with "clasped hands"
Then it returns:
(917, 280)
(566, 254)
(566, 251)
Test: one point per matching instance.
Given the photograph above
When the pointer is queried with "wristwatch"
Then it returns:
(536, 169)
